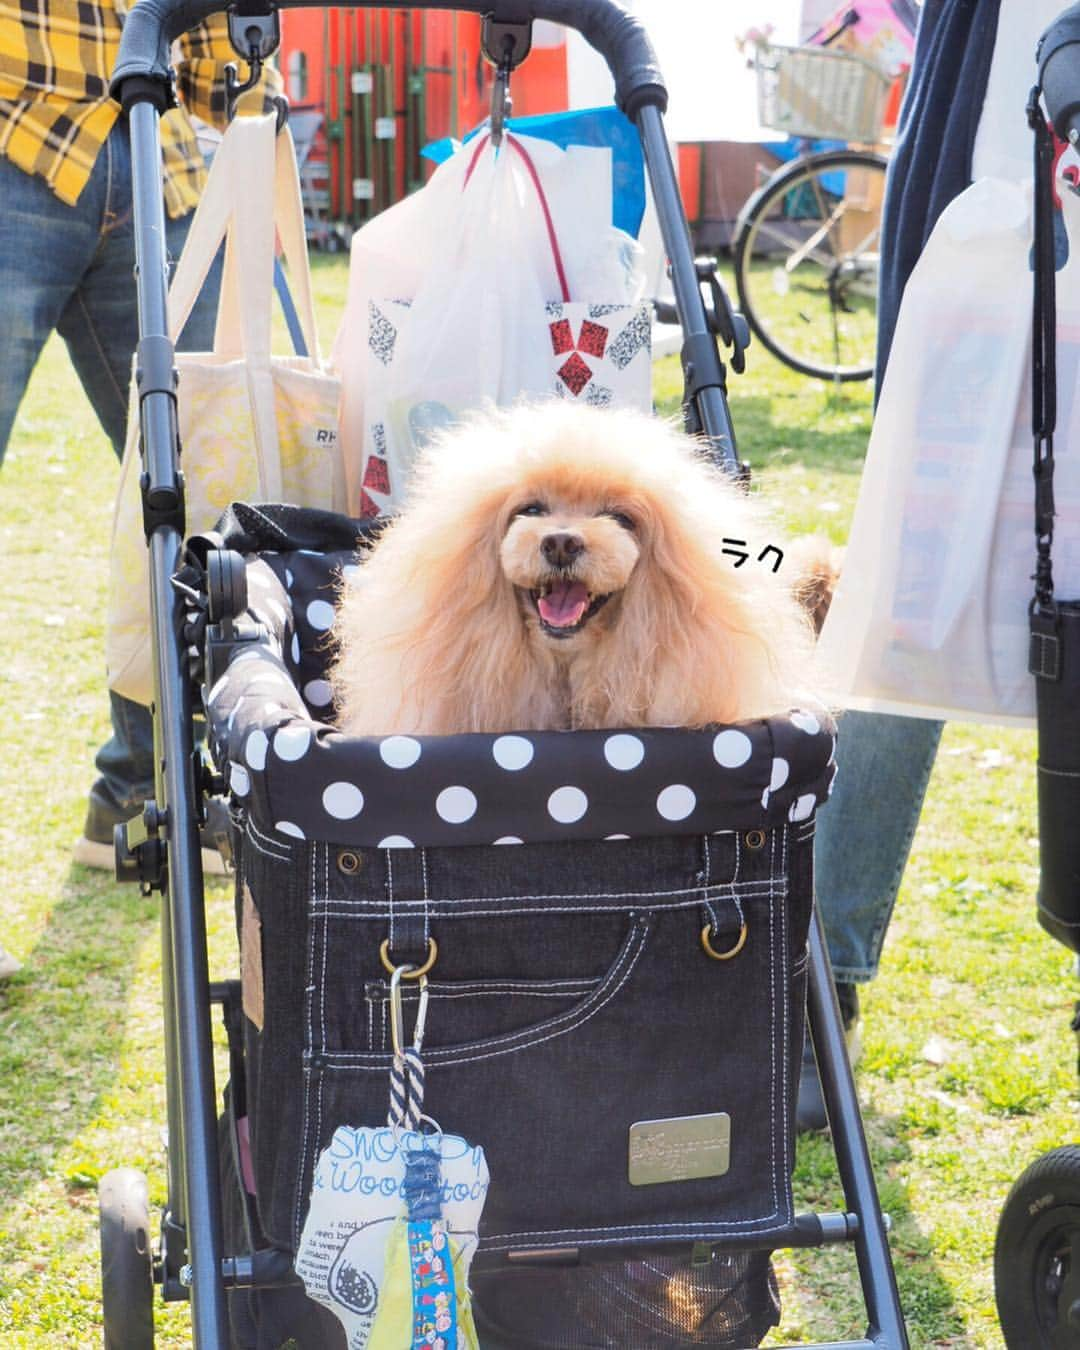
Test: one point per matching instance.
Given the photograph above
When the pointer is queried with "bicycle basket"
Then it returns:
(820, 94)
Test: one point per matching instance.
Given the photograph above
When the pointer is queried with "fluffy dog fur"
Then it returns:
(814, 563)
(564, 567)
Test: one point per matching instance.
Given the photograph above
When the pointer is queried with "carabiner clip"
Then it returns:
(501, 103)
(397, 1012)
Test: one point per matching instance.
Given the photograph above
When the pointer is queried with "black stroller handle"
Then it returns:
(152, 25)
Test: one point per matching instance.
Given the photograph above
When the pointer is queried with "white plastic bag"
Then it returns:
(503, 277)
(930, 617)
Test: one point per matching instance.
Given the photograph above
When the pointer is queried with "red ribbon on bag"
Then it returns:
(510, 140)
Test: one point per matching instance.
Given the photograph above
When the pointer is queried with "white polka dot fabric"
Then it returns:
(271, 726)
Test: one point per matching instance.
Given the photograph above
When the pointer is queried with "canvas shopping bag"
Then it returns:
(253, 426)
(502, 278)
(930, 617)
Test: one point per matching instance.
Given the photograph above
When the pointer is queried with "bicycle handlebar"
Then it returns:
(152, 25)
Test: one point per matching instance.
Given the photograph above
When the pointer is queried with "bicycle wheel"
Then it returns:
(806, 262)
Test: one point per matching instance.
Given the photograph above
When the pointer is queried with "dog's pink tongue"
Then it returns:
(564, 604)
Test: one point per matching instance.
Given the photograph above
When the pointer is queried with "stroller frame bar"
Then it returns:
(193, 1262)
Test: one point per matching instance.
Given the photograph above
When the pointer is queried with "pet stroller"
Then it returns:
(617, 999)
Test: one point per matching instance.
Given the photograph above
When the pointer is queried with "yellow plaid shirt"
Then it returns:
(56, 57)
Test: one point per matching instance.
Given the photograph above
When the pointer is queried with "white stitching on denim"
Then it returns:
(450, 911)
(718, 887)
(528, 1038)
(279, 844)
(785, 926)
(427, 914)
(390, 884)
(251, 831)
(586, 895)
(319, 1114)
(772, 1036)
(298, 1191)
(638, 933)
(325, 848)
(689, 1228)
(309, 935)
(504, 989)
(780, 1061)
(520, 993)
(787, 1137)
(710, 909)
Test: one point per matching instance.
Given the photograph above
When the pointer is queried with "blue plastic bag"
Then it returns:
(587, 126)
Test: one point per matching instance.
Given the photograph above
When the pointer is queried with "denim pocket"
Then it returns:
(504, 1008)
(480, 1018)
(572, 998)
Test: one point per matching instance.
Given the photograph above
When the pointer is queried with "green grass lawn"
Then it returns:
(969, 1068)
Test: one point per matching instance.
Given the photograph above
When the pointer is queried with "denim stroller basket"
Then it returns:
(618, 921)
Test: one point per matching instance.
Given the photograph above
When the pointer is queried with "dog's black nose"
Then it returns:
(561, 548)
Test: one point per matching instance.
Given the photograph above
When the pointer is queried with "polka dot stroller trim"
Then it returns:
(297, 776)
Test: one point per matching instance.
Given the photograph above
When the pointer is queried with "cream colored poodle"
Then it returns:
(567, 567)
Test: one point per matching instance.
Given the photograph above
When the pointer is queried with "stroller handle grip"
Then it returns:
(151, 26)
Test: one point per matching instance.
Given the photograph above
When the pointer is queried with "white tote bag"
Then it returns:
(253, 426)
(502, 278)
(930, 616)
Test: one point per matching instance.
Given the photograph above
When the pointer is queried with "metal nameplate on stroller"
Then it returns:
(680, 1149)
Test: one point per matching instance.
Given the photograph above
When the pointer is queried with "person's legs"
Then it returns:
(100, 326)
(864, 834)
(100, 322)
(863, 839)
(45, 246)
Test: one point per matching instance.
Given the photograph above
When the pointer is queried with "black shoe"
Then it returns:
(810, 1109)
(95, 848)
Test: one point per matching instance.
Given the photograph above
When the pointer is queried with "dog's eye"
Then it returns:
(621, 518)
(532, 509)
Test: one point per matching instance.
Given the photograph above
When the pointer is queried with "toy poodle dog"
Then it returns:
(564, 567)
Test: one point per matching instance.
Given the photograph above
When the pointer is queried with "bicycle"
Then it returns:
(805, 250)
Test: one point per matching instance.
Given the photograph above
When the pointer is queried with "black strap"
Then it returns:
(1043, 353)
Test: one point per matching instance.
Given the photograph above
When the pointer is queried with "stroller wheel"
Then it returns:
(1037, 1256)
(127, 1278)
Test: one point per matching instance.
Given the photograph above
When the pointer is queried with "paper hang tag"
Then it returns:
(356, 1198)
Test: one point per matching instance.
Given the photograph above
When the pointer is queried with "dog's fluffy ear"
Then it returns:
(813, 564)
(429, 625)
(700, 639)
(428, 632)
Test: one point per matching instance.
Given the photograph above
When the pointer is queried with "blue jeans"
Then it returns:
(864, 834)
(71, 269)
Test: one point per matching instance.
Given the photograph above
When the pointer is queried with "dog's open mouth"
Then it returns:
(565, 606)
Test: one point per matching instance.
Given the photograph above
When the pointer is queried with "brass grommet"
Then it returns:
(710, 950)
(755, 838)
(348, 862)
(411, 972)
